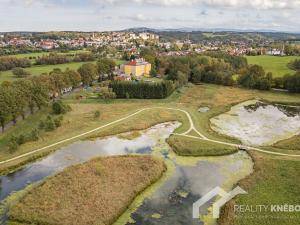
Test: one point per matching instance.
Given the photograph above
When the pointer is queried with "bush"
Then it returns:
(58, 107)
(106, 93)
(20, 72)
(96, 114)
(21, 139)
(49, 124)
(13, 144)
(34, 135)
(58, 121)
(42, 125)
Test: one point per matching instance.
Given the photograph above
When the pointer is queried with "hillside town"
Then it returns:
(18, 42)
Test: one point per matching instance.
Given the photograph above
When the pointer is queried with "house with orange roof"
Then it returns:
(137, 68)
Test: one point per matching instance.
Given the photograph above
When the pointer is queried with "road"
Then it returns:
(191, 128)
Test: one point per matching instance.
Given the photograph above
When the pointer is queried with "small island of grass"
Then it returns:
(186, 146)
(96, 192)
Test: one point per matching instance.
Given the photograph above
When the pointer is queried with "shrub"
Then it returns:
(34, 135)
(106, 93)
(58, 107)
(21, 139)
(13, 144)
(42, 125)
(20, 72)
(58, 121)
(49, 124)
(96, 114)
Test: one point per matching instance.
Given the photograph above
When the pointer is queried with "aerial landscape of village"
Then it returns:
(149, 112)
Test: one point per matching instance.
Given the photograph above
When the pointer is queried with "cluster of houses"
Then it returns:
(92, 39)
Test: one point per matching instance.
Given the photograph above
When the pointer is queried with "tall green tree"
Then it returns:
(88, 73)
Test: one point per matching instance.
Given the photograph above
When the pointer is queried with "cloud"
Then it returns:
(203, 13)
(259, 4)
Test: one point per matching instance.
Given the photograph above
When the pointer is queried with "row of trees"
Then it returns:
(20, 96)
(8, 63)
(198, 69)
(254, 77)
(142, 90)
(103, 70)
(55, 58)
(295, 65)
(220, 69)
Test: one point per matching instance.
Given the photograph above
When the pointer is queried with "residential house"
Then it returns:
(137, 67)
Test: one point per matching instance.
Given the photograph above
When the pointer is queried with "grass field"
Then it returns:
(274, 182)
(275, 64)
(39, 54)
(38, 70)
(81, 119)
(185, 146)
(96, 192)
(274, 179)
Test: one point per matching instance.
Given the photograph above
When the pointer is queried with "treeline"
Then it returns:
(21, 96)
(254, 77)
(142, 90)
(295, 65)
(288, 82)
(198, 69)
(55, 58)
(219, 68)
(8, 63)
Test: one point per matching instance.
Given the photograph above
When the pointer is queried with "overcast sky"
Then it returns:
(101, 15)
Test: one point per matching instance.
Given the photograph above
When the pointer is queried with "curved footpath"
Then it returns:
(185, 134)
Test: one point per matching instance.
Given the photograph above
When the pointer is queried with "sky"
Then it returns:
(106, 15)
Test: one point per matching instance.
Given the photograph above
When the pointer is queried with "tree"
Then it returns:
(20, 72)
(4, 107)
(74, 78)
(88, 73)
(293, 83)
(105, 66)
(58, 107)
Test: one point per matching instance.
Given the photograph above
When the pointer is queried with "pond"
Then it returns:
(171, 202)
(258, 123)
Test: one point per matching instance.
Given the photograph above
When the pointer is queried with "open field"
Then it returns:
(81, 118)
(38, 70)
(274, 182)
(110, 185)
(186, 146)
(275, 64)
(39, 54)
(274, 179)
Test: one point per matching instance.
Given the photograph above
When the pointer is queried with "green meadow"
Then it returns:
(275, 64)
(38, 70)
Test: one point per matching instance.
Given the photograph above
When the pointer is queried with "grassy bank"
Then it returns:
(186, 146)
(274, 182)
(275, 64)
(96, 192)
(291, 143)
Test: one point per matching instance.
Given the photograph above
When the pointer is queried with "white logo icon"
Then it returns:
(225, 197)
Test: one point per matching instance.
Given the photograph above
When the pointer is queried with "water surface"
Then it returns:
(258, 123)
(171, 202)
